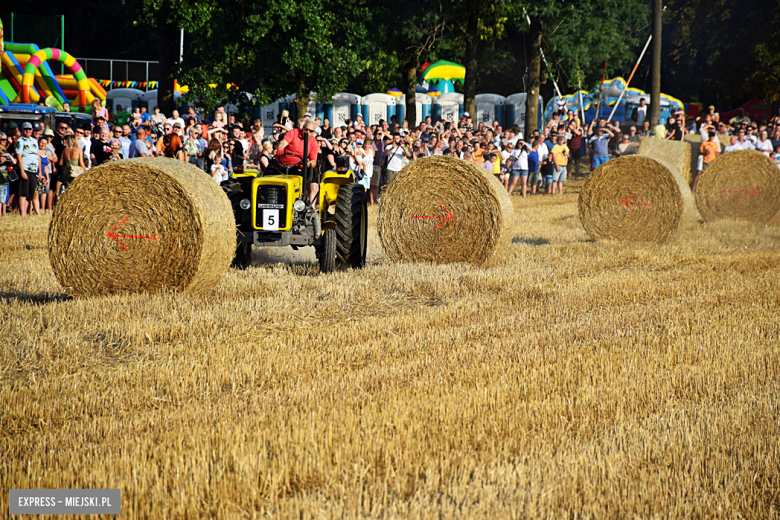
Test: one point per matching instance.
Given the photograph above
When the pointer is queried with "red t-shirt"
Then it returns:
(294, 140)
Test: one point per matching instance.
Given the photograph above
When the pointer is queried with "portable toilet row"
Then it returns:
(489, 108)
(448, 106)
(423, 107)
(129, 98)
(343, 106)
(515, 110)
(378, 107)
(150, 100)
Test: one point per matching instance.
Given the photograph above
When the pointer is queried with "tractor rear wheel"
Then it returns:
(345, 246)
(351, 226)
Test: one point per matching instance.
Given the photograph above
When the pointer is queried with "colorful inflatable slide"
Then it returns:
(25, 76)
(610, 92)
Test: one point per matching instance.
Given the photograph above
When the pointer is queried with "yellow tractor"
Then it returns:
(273, 210)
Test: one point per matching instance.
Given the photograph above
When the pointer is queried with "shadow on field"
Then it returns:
(38, 299)
(531, 241)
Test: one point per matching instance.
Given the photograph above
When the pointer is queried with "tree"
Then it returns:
(582, 36)
(270, 48)
(168, 19)
(472, 41)
(655, 89)
(725, 50)
(404, 36)
(475, 22)
(532, 98)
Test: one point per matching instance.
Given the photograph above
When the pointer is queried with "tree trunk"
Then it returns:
(472, 41)
(534, 71)
(411, 96)
(301, 102)
(655, 67)
(168, 47)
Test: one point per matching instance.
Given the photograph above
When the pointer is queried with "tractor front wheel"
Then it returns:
(243, 256)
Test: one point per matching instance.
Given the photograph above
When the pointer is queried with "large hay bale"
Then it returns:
(696, 138)
(741, 185)
(138, 225)
(680, 155)
(444, 210)
(636, 198)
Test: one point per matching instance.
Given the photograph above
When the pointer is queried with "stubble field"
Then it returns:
(578, 380)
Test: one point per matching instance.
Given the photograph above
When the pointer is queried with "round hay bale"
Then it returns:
(635, 198)
(744, 185)
(680, 155)
(444, 210)
(142, 225)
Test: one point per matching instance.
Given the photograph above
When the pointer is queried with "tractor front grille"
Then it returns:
(271, 198)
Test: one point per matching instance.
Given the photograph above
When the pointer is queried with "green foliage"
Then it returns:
(269, 48)
(272, 48)
(583, 35)
(723, 49)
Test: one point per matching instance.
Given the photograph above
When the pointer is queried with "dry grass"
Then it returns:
(579, 380)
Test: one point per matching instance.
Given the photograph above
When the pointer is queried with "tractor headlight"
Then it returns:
(245, 204)
(299, 205)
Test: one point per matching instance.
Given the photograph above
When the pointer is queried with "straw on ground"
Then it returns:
(578, 379)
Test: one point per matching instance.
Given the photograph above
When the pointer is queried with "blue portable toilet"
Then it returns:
(515, 111)
(489, 107)
(376, 107)
(285, 104)
(269, 114)
(310, 108)
(448, 106)
(344, 106)
(423, 107)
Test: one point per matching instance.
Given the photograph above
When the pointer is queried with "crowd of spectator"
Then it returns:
(37, 164)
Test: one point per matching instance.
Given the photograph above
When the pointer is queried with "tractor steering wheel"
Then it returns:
(288, 167)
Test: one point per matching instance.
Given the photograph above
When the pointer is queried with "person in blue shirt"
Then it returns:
(138, 147)
(600, 145)
(533, 166)
(144, 118)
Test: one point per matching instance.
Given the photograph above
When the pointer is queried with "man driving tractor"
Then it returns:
(290, 153)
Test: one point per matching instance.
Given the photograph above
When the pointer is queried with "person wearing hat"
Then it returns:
(37, 130)
(12, 133)
(29, 161)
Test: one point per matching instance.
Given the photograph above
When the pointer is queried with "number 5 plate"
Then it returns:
(270, 220)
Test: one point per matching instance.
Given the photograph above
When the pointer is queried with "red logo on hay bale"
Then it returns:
(751, 193)
(627, 203)
(446, 217)
(117, 237)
